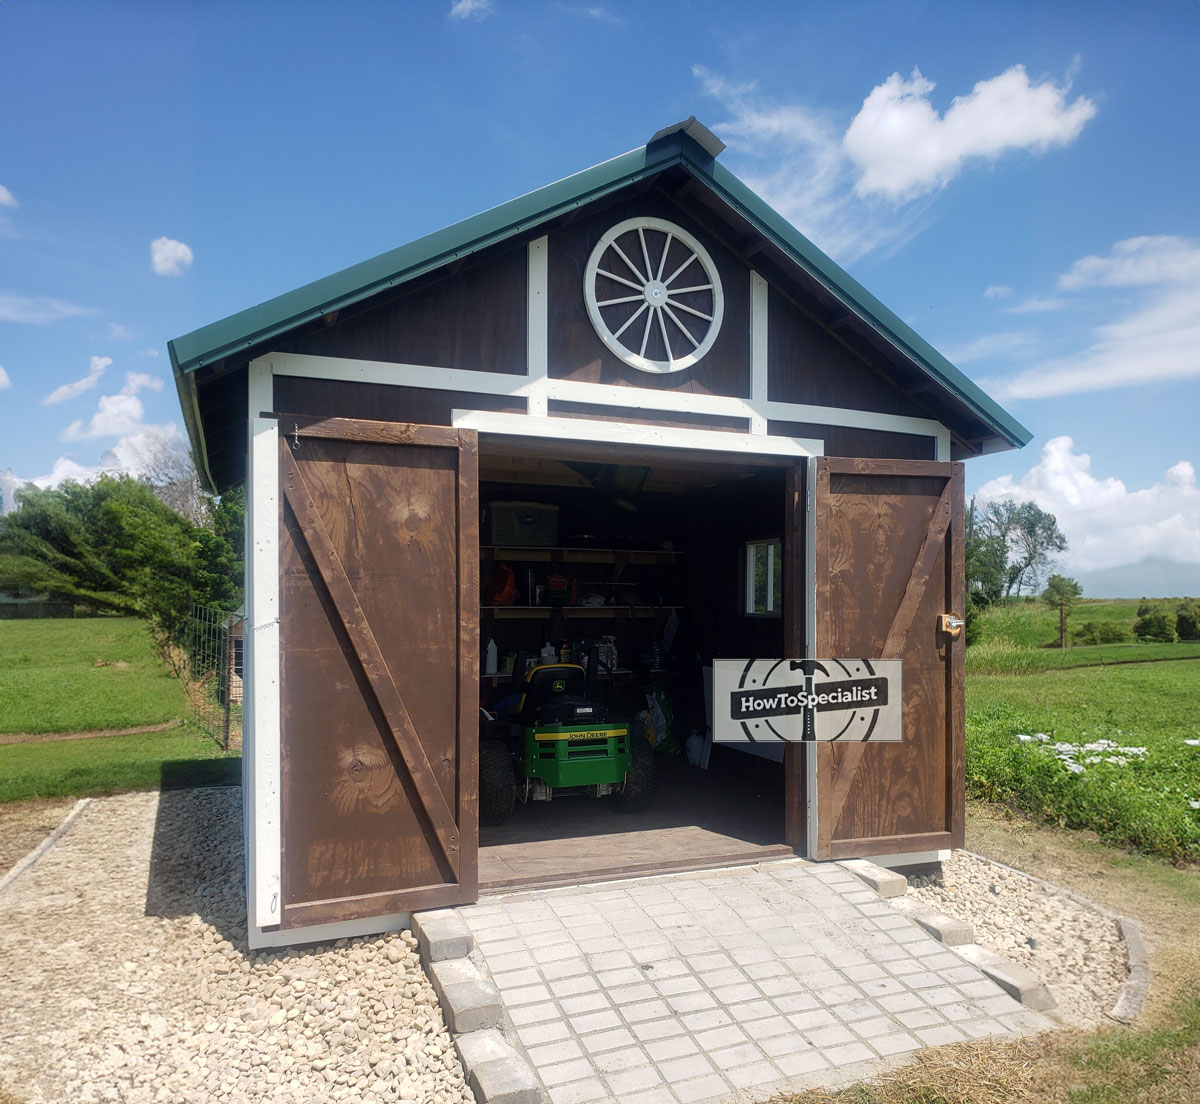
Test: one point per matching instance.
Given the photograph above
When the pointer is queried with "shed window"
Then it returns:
(764, 577)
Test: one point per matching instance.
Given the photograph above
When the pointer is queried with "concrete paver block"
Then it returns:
(441, 934)
(468, 1001)
(947, 929)
(505, 1081)
(1020, 983)
(887, 883)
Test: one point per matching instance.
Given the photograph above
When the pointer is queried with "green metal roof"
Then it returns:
(674, 146)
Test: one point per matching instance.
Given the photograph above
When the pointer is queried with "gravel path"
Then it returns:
(127, 978)
(1076, 950)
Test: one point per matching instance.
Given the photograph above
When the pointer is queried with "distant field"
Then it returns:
(1016, 638)
(1140, 798)
(84, 674)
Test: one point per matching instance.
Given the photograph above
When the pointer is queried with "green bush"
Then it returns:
(1187, 620)
(1100, 632)
(1154, 624)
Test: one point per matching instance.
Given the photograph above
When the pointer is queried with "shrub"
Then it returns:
(1187, 619)
(1154, 624)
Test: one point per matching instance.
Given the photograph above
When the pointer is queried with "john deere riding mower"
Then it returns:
(552, 737)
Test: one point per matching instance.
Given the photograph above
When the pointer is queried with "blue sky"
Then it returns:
(1016, 181)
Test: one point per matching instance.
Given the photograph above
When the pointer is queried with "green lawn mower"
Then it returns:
(551, 737)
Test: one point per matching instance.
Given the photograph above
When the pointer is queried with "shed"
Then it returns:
(723, 445)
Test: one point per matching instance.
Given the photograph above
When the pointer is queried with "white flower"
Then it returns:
(1024, 739)
(1192, 743)
(1119, 760)
(1074, 768)
(1095, 759)
(1194, 804)
(1041, 736)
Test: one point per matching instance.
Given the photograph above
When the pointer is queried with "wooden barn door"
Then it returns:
(379, 687)
(888, 563)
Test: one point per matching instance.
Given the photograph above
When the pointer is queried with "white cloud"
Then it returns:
(79, 386)
(997, 291)
(851, 189)
(1155, 340)
(5, 382)
(792, 156)
(149, 351)
(1105, 523)
(169, 257)
(117, 332)
(470, 9)
(7, 199)
(38, 310)
(141, 381)
(116, 416)
(1036, 305)
(991, 346)
(598, 13)
(904, 148)
(1161, 259)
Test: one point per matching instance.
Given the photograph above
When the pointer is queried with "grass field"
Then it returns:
(1105, 748)
(109, 764)
(1018, 637)
(82, 675)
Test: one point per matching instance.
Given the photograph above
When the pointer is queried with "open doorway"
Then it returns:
(643, 570)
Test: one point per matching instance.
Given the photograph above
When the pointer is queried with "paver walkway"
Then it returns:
(724, 984)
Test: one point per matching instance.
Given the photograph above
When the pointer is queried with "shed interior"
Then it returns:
(668, 562)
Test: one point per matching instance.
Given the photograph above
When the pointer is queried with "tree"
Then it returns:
(1154, 622)
(1030, 537)
(1061, 593)
(1187, 619)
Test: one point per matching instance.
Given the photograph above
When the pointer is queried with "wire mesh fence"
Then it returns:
(215, 673)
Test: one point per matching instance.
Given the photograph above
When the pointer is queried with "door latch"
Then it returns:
(950, 624)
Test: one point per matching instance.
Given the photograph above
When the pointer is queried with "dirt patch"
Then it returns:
(24, 824)
(43, 737)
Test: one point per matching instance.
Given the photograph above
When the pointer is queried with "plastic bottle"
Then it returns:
(492, 663)
(549, 653)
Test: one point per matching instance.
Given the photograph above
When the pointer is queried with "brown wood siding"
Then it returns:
(382, 402)
(378, 644)
(598, 412)
(474, 319)
(808, 364)
(869, 443)
(577, 353)
(889, 561)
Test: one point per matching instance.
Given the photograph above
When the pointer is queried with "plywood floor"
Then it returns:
(699, 819)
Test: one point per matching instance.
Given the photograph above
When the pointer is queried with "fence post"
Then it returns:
(228, 682)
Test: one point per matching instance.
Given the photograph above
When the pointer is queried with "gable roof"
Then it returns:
(688, 145)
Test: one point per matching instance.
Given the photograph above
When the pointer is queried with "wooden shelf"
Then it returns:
(508, 613)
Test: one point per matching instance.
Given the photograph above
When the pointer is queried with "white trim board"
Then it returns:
(261, 728)
(632, 433)
(536, 389)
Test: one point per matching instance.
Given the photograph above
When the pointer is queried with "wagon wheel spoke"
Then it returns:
(646, 333)
(614, 302)
(632, 267)
(629, 321)
(662, 261)
(619, 279)
(691, 310)
(698, 287)
(662, 325)
(645, 253)
(686, 332)
(674, 274)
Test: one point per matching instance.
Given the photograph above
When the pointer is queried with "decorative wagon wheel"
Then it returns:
(653, 294)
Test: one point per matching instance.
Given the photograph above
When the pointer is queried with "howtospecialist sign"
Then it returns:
(769, 700)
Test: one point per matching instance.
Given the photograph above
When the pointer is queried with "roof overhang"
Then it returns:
(688, 145)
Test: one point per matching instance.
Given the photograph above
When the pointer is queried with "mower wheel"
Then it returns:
(497, 782)
(637, 792)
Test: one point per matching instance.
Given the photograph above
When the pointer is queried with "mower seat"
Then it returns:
(557, 693)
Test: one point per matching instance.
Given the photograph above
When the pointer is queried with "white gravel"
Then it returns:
(1076, 950)
(127, 978)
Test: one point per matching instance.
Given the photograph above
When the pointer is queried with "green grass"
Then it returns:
(109, 764)
(1017, 636)
(50, 681)
(1142, 803)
